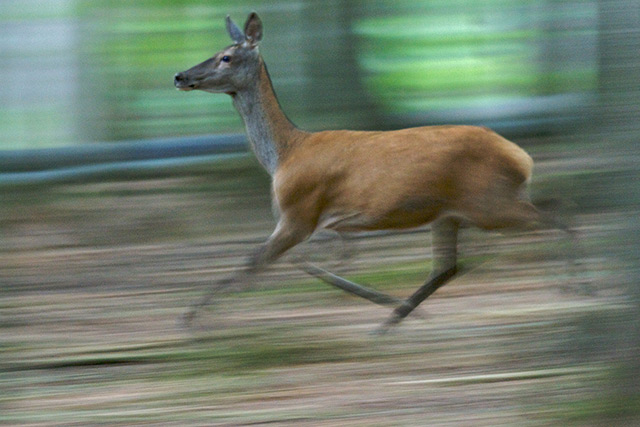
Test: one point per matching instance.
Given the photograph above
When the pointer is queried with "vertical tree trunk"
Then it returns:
(334, 83)
(620, 128)
(620, 64)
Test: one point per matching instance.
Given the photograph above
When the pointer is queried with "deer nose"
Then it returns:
(179, 77)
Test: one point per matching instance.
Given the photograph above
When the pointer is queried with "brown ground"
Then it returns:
(95, 277)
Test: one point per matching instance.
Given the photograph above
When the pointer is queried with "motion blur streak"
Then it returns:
(94, 273)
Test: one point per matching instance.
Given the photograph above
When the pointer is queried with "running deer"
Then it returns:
(351, 181)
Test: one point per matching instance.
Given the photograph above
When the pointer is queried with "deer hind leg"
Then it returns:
(573, 255)
(523, 215)
(285, 236)
(444, 235)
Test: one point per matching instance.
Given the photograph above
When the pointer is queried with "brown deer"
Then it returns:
(351, 181)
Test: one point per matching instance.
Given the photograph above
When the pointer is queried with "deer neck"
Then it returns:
(269, 130)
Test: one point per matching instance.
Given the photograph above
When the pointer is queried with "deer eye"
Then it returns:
(226, 58)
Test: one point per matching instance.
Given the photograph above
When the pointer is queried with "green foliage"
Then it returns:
(466, 57)
(109, 69)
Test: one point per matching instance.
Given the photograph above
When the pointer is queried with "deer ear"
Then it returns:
(234, 31)
(253, 29)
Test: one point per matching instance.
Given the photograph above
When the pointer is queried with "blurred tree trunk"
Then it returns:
(334, 90)
(620, 64)
(620, 124)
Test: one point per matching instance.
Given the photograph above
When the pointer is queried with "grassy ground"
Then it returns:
(95, 278)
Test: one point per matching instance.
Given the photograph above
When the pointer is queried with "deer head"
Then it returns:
(232, 69)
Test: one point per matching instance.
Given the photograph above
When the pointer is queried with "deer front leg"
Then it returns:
(284, 237)
(348, 286)
(444, 237)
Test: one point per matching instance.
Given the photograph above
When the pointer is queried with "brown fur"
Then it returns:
(399, 179)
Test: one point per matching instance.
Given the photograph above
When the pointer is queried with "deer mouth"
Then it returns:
(186, 88)
(181, 82)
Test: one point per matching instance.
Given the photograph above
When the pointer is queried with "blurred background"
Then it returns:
(121, 199)
(101, 70)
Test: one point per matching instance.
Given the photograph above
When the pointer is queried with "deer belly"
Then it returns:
(409, 213)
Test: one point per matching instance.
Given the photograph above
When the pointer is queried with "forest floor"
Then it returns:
(95, 278)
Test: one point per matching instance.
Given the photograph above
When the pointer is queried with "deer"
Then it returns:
(361, 181)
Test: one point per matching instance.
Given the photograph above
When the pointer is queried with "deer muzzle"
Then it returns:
(182, 82)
